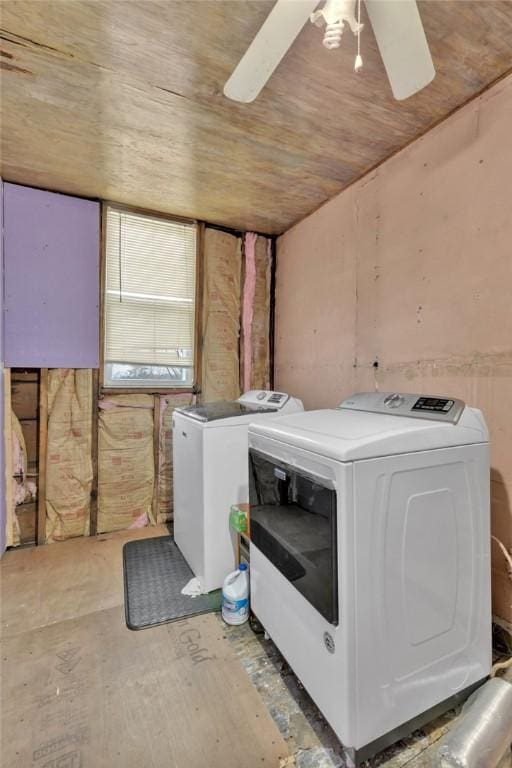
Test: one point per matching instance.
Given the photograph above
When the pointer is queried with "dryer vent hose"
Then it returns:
(483, 732)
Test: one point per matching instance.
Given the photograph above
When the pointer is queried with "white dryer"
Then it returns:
(370, 557)
(210, 474)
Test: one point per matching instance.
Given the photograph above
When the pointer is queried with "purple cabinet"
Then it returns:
(51, 279)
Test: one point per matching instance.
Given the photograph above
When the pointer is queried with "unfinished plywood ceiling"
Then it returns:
(123, 100)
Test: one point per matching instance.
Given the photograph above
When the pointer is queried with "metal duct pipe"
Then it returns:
(484, 731)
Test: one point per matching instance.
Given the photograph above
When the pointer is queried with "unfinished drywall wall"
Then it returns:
(315, 332)
(410, 270)
(51, 279)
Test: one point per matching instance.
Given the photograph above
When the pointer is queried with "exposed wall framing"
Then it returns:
(75, 444)
(22, 431)
(198, 338)
(9, 507)
(93, 526)
(156, 456)
(42, 453)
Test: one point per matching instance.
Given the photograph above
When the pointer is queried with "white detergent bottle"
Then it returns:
(235, 596)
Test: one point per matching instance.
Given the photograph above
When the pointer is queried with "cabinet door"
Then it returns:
(51, 279)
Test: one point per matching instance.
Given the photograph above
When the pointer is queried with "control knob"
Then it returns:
(394, 401)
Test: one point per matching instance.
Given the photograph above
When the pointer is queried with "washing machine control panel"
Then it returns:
(401, 404)
(264, 398)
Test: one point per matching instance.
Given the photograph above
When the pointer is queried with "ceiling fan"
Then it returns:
(396, 25)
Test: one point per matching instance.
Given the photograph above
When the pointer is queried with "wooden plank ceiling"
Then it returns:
(122, 100)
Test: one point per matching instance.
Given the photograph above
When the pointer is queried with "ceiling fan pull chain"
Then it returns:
(359, 59)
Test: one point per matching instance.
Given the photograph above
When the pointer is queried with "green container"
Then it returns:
(238, 519)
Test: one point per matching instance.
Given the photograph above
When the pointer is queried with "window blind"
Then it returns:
(149, 290)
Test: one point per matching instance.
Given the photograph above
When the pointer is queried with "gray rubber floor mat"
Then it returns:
(155, 572)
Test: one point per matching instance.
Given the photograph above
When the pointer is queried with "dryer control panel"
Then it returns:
(447, 409)
(433, 404)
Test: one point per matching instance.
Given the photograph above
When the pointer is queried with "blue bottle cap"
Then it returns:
(242, 567)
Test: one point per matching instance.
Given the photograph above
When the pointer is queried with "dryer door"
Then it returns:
(293, 523)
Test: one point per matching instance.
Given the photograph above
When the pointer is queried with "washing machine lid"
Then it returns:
(221, 409)
(249, 406)
(350, 433)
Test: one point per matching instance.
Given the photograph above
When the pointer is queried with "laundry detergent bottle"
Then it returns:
(235, 596)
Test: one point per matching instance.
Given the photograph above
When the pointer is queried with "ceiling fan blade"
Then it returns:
(278, 32)
(402, 44)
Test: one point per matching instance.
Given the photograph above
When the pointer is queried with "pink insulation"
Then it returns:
(269, 262)
(140, 522)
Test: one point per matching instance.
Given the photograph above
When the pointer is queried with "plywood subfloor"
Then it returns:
(80, 690)
(85, 691)
(44, 585)
(309, 737)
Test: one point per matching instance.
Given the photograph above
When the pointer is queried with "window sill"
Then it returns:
(146, 391)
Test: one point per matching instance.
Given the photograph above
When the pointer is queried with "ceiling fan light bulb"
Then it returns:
(333, 34)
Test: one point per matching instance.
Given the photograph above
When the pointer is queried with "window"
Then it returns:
(149, 301)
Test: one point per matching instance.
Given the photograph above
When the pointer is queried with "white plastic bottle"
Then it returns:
(235, 596)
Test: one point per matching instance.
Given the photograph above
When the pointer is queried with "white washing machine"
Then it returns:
(370, 557)
(210, 474)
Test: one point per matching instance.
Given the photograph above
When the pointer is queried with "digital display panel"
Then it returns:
(437, 404)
